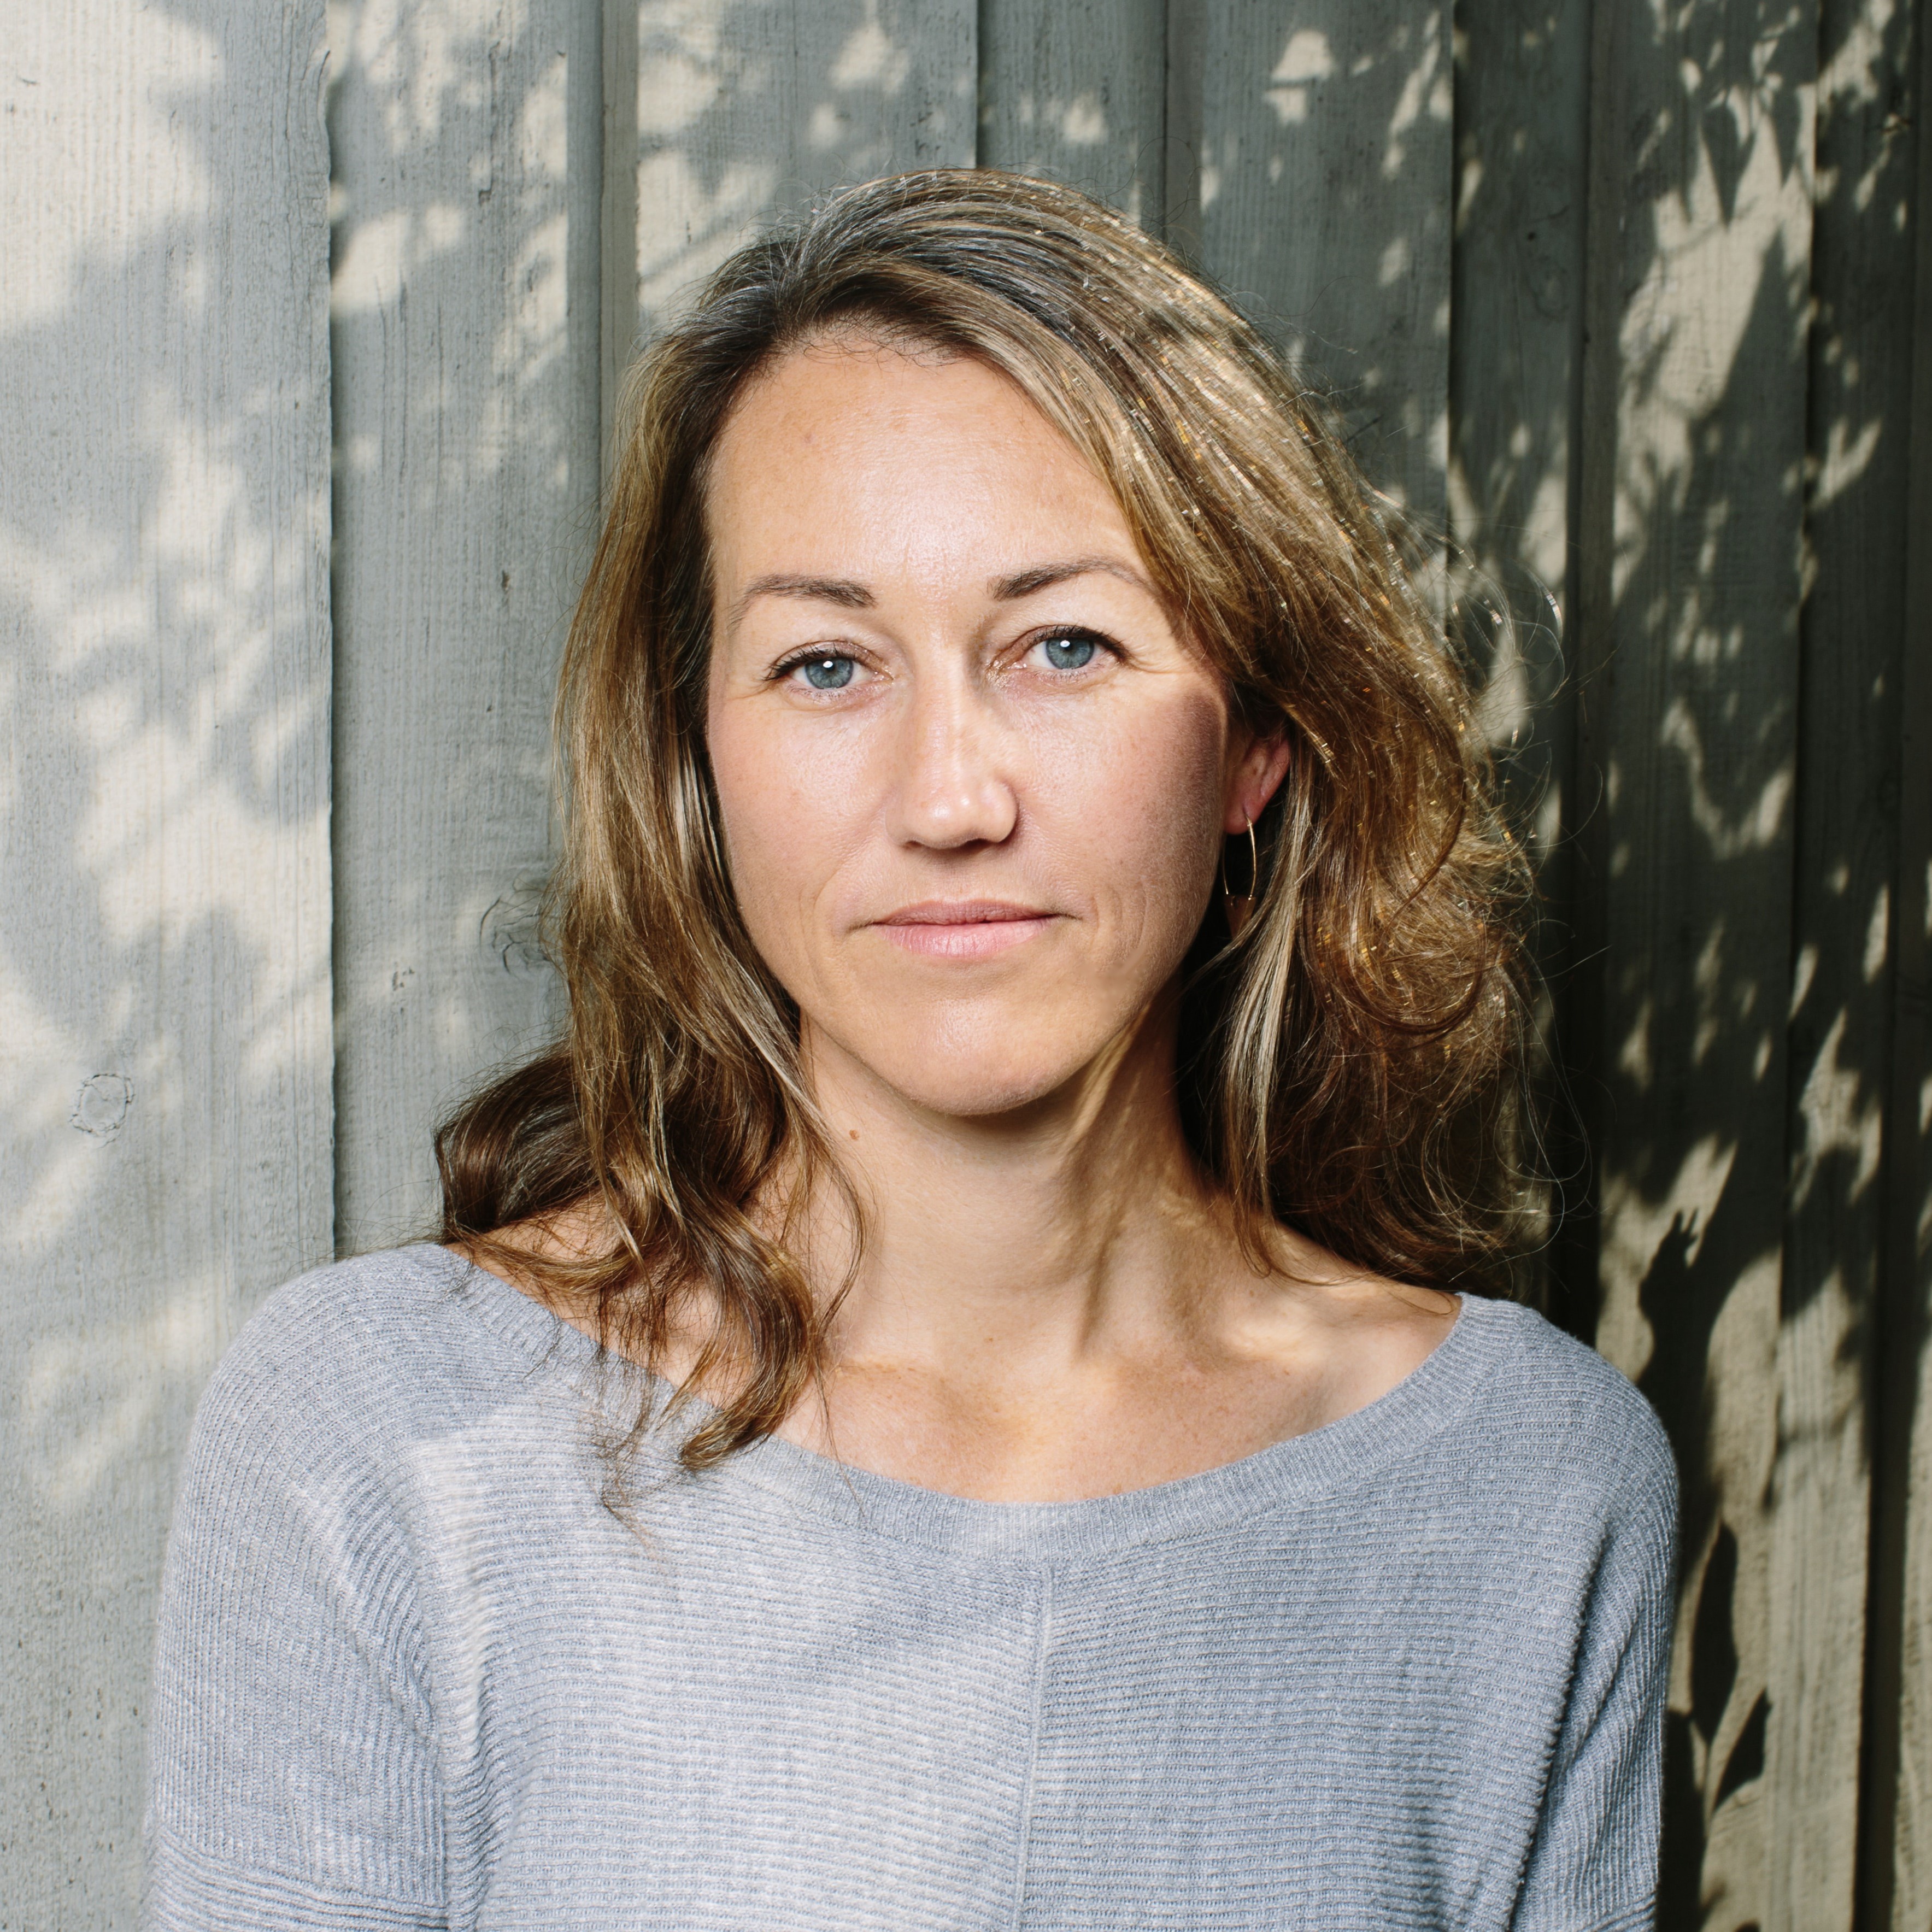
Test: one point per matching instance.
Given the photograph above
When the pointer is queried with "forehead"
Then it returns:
(898, 457)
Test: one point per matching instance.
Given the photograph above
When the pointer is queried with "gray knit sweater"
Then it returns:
(1408, 1670)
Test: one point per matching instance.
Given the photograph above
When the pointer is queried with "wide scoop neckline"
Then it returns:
(1295, 1470)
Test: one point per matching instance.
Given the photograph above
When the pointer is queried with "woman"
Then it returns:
(968, 1390)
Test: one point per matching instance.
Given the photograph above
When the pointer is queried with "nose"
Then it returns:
(956, 784)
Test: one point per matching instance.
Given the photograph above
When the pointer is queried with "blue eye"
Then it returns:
(1069, 651)
(827, 674)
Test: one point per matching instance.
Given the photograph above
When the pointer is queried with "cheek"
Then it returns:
(1141, 805)
(789, 822)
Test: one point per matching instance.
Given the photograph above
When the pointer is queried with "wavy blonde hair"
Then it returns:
(1350, 1063)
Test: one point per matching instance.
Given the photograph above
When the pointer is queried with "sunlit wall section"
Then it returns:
(1895, 1874)
(1695, 859)
(164, 958)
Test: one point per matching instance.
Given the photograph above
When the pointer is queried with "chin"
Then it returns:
(971, 1094)
(971, 1079)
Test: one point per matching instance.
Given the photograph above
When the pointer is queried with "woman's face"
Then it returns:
(974, 784)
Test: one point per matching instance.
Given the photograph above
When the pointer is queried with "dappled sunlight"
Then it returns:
(1323, 175)
(89, 1403)
(1741, 920)
(1081, 96)
(1638, 1229)
(749, 108)
(148, 149)
(168, 817)
(463, 304)
(1751, 824)
(1696, 441)
(1616, 300)
(706, 221)
(164, 973)
(1841, 1111)
(1736, 232)
(1515, 347)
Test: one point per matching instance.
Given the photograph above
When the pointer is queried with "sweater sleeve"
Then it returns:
(292, 1773)
(1593, 1865)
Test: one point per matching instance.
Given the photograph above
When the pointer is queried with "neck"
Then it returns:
(1022, 1242)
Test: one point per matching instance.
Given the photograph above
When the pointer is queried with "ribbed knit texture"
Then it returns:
(413, 1671)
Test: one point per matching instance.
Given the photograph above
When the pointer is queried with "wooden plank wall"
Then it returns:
(1629, 302)
(1616, 298)
(1688, 646)
(1516, 348)
(1859, 894)
(1329, 124)
(164, 960)
(726, 114)
(466, 141)
(1896, 1801)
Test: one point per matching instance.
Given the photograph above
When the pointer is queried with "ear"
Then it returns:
(1254, 778)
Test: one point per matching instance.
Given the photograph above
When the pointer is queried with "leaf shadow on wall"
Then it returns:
(465, 154)
(1717, 907)
(164, 972)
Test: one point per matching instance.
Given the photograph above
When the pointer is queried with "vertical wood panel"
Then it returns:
(465, 331)
(1516, 334)
(743, 110)
(1077, 89)
(1320, 179)
(1841, 1023)
(1694, 426)
(164, 965)
(1898, 1816)
(1515, 386)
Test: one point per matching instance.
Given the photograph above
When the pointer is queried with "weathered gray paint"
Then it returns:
(1321, 183)
(164, 961)
(464, 329)
(725, 113)
(1077, 90)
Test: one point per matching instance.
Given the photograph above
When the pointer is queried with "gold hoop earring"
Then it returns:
(1241, 905)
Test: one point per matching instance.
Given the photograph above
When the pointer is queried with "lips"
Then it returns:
(964, 929)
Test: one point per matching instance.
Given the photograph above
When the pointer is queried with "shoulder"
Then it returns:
(1549, 1372)
(385, 1345)
(1545, 1402)
(349, 1313)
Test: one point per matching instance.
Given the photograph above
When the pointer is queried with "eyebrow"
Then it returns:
(851, 595)
(843, 591)
(1044, 576)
